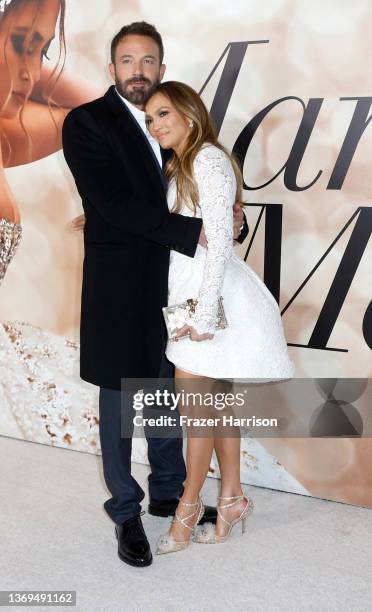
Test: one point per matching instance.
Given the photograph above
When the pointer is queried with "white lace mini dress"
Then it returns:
(253, 346)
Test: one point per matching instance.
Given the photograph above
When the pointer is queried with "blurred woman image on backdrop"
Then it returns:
(34, 99)
(35, 96)
(205, 181)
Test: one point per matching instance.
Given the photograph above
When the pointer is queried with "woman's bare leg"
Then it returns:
(227, 447)
(228, 455)
(200, 444)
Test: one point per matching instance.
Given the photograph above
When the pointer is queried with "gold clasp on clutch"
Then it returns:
(191, 304)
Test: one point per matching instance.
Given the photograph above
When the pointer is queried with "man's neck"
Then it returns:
(140, 107)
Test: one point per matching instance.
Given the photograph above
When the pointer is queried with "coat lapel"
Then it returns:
(165, 155)
(129, 127)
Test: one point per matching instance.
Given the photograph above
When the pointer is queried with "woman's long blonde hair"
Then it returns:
(189, 105)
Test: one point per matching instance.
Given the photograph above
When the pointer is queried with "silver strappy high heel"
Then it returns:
(206, 534)
(167, 543)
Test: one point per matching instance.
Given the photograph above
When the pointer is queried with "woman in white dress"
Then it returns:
(205, 181)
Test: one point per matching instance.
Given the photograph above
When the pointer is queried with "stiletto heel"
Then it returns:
(167, 543)
(206, 534)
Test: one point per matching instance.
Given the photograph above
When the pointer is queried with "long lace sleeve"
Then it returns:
(217, 186)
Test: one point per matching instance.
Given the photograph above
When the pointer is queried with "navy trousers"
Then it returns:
(168, 470)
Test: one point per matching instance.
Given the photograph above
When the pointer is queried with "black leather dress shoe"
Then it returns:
(133, 546)
(167, 507)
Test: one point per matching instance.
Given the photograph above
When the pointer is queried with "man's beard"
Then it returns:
(138, 95)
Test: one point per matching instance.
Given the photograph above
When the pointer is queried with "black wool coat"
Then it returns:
(128, 235)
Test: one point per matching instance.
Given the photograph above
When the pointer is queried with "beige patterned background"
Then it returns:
(316, 49)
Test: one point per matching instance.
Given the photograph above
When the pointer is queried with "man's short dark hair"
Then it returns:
(139, 28)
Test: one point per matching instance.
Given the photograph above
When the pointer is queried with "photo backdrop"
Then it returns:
(289, 89)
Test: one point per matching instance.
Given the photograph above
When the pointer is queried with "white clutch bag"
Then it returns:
(182, 314)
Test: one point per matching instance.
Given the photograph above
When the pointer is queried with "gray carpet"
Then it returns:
(299, 553)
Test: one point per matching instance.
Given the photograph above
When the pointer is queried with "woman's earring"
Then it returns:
(191, 123)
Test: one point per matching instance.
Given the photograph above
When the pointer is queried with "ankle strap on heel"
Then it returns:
(179, 519)
(236, 498)
(187, 504)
